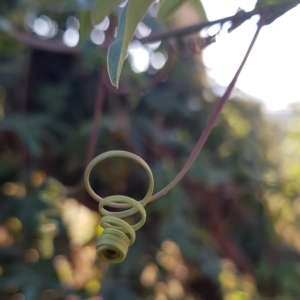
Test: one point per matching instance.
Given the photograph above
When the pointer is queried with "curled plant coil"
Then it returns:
(118, 235)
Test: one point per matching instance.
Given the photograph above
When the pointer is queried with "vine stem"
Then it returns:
(212, 119)
(50, 45)
(92, 139)
(96, 118)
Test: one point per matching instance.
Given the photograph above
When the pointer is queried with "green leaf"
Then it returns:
(198, 6)
(132, 14)
(276, 8)
(85, 24)
(279, 9)
(271, 2)
(66, 6)
(103, 8)
(167, 8)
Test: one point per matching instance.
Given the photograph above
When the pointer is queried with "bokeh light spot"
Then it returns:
(175, 289)
(181, 272)
(71, 37)
(154, 45)
(73, 22)
(6, 239)
(149, 275)
(31, 255)
(142, 30)
(158, 60)
(103, 25)
(63, 270)
(13, 224)
(170, 247)
(92, 286)
(42, 26)
(161, 297)
(139, 57)
(9, 188)
(37, 178)
(97, 36)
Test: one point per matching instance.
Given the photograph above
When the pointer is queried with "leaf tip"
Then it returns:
(113, 80)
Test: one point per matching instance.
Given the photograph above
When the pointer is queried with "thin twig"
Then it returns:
(92, 142)
(96, 118)
(23, 85)
(35, 42)
(240, 16)
(211, 122)
(50, 45)
(177, 32)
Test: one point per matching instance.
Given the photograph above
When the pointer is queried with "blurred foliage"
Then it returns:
(230, 230)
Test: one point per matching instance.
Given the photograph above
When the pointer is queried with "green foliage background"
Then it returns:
(230, 230)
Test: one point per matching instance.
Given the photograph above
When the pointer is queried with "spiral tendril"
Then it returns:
(112, 245)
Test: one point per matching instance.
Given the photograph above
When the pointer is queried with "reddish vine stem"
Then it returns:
(212, 119)
(22, 88)
(96, 118)
(35, 42)
(92, 142)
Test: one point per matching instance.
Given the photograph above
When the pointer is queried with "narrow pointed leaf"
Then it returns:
(103, 8)
(85, 24)
(132, 14)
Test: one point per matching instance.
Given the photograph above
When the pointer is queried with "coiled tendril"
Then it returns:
(118, 235)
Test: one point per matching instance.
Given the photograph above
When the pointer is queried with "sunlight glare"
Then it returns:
(139, 57)
(214, 29)
(272, 71)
